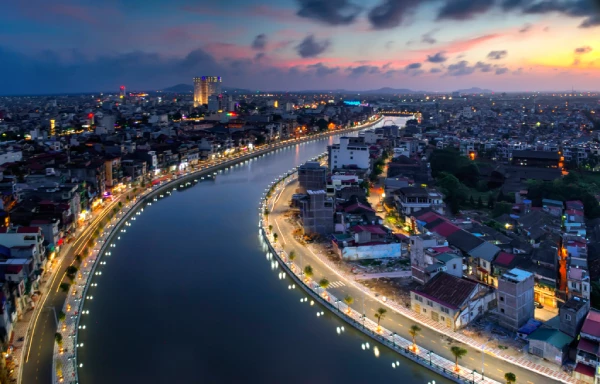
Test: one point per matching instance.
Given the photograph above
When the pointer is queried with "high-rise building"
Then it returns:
(52, 127)
(122, 91)
(204, 87)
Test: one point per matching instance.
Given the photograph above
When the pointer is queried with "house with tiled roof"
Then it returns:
(452, 301)
(588, 354)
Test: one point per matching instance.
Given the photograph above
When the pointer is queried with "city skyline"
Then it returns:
(443, 45)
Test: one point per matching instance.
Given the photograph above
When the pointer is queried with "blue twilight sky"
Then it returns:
(49, 46)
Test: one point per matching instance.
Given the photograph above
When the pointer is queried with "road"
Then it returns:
(432, 340)
(40, 349)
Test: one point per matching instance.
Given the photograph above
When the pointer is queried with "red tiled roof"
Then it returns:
(428, 217)
(445, 229)
(440, 250)
(504, 258)
(591, 325)
(28, 229)
(13, 268)
(585, 370)
(377, 229)
(448, 290)
(588, 346)
(575, 212)
(358, 205)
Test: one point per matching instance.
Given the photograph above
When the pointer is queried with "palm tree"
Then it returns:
(379, 315)
(275, 237)
(308, 271)
(292, 256)
(510, 378)
(414, 332)
(348, 300)
(458, 353)
(324, 283)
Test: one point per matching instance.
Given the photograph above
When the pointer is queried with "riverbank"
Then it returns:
(398, 315)
(73, 322)
(428, 359)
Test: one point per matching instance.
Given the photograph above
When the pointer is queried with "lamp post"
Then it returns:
(394, 339)
(474, 372)
(429, 355)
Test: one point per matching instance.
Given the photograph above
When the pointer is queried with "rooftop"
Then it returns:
(517, 275)
(447, 290)
(591, 325)
(553, 337)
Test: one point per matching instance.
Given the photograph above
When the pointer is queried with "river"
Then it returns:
(188, 296)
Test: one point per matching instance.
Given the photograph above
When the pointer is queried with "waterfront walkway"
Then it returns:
(495, 360)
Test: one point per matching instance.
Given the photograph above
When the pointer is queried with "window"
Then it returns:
(424, 310)
(501, 298)
(567, 317)
(454, 266)
(502, 310)
(445, 310)
(419, 298)
(351, 157)
(443, 318)
(430, 303)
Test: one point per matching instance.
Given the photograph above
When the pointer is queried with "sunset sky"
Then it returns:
(433, 45)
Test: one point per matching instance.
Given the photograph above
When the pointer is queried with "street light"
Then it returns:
(429, 355)
(474, 372)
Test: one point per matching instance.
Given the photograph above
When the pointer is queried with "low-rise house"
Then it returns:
(409, 200)
(578, 282)
(587, 357)
(365, 242)
(572, 315)
(452, 301)
(550, 344)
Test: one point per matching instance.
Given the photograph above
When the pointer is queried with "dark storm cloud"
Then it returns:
(464, 9)
(583, 50)
(331, 12)
(322, 70)
(392, 13)
(497, 55)
(310, 47)
(260, 42)
(437, 58)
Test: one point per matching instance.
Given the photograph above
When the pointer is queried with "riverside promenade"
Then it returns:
(392, 340)
(65, 363)
(501, 358)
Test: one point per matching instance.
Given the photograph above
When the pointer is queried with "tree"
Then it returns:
(58, 338)
(472, 201)
(308, 271)
(323, 283)
(292, 256)
(322, 124)
(414, 332)
(275, 236)
(120, 204)
(510, 378)
(348, 300)
(78, 258)
(61, 316)
(380, 315)
(480, 203)
(71, 270)
(501, 208)
(500, 196)
(458, 353)
(490, 203)
(270, 228)
(65, 287)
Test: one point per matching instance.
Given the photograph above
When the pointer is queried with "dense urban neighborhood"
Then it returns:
(480, 213)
